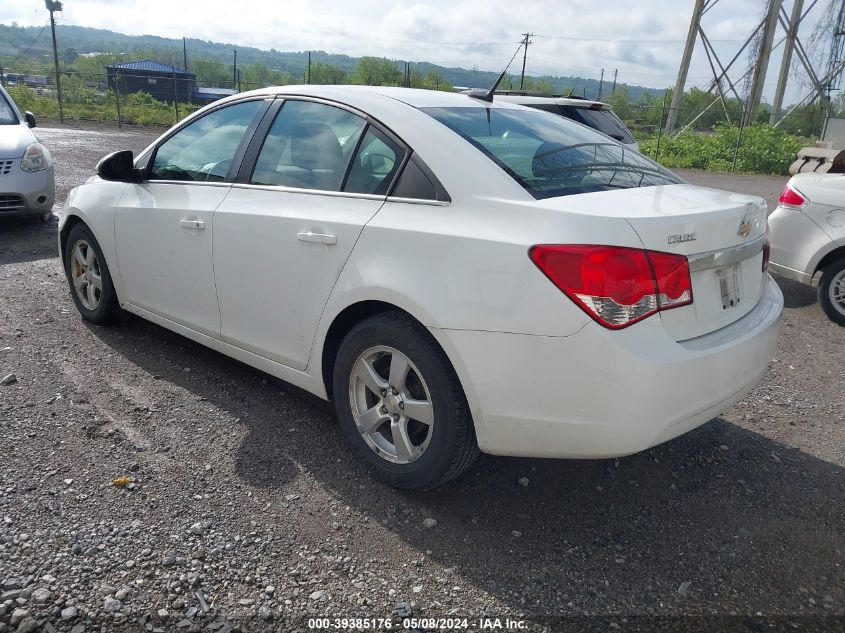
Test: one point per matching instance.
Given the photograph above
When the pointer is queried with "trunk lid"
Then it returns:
(721, 233)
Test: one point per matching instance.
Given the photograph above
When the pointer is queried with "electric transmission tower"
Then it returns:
(748, 87)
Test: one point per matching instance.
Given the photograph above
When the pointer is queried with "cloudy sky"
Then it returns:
(642, 38)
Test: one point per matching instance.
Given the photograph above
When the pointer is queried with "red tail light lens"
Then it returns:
(616, 286)
(791, 198)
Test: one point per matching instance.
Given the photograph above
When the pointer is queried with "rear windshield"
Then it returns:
(605, 121)
(549, 155)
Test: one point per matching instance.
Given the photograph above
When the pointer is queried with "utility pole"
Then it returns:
(235, 71)
(2, 76)
(601, 84)
(615, 75)
(308, 76)
(525, 44)
(758, 77)
(185, 53)
(53, 6)
(786, 62)
(672, 118)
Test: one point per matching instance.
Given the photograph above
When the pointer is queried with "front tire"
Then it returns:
(832, 291)
(89, 278)
(400, 403)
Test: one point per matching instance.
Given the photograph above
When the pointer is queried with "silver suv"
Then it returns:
(595, 114)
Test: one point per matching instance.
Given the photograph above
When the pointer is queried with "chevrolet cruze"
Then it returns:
(457, 274)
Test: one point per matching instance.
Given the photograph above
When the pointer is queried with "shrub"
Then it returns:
(763, 149)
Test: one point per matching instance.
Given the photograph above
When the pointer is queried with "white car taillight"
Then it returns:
(616, 285)
(36, 158)
(791, 199)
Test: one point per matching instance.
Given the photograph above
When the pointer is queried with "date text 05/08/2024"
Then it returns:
(427, 624)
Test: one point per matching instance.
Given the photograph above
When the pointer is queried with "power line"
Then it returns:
(628, 41)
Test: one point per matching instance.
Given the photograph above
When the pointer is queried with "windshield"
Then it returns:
(7, 112)
(549, 155)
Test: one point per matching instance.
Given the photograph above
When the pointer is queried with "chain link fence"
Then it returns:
(706, 138)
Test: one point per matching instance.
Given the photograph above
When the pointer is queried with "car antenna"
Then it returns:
(487, 95)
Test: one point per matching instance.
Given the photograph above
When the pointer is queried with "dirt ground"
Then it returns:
(246, 510)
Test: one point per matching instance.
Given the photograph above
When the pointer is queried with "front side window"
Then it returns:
(203, 150)
(308, 147)
(551, 156)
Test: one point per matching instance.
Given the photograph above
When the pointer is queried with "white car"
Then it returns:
(808, 237)
(27, 184)
(455, 274)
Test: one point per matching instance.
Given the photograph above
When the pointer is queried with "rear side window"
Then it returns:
(375, 164)
(417, 182)
(308, 147)
(203, 150)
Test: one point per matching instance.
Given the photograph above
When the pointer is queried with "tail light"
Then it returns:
(791, 198)
(616, 286)
(767, 251)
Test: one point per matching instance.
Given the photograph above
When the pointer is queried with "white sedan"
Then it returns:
(808, 237)
(454, 274)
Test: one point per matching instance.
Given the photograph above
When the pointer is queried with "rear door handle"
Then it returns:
(318, 238)
(198, 225)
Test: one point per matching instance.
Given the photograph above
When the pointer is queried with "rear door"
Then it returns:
(285, 231)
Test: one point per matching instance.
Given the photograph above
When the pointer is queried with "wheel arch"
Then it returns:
(838, 252)
(340, 326)
(71, 221)
(354, 313)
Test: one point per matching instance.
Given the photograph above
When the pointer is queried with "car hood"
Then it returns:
(14, 139)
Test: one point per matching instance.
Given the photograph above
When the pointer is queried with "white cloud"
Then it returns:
(643, 39)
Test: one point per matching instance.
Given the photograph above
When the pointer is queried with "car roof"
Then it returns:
(362, 96)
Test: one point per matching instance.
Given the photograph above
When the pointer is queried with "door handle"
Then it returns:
(318, 238)
(199, 225)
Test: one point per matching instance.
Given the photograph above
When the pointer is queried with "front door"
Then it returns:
(164, 225)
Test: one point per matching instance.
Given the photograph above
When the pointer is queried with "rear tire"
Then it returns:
(89, 278)
(832, 291)
(400, 403)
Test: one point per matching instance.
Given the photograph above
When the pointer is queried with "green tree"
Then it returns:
(376, 71)
(326, 74)
(69, 56)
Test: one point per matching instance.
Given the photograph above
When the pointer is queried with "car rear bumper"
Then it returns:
(27, 193)
(602, 393)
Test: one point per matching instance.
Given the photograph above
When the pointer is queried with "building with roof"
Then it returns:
(203, 96)
(161, 81)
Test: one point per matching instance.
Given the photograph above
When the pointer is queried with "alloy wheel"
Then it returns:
(86, 276)
(391, 404)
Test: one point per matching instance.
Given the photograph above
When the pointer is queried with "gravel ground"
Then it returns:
(244, 509)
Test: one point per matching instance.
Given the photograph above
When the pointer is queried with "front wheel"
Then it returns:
(89, 278)
(400, 403)
(832, 291)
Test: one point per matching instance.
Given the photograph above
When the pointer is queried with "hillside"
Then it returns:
(31, 45)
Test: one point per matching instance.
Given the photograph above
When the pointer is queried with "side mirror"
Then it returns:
(30, 118)
(118, 166)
